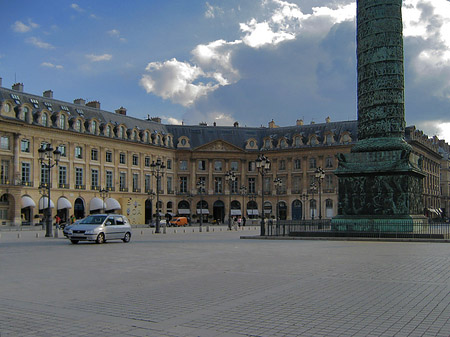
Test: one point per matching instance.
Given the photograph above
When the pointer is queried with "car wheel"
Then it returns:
(100, 238)
(127, 237)
(74, 241)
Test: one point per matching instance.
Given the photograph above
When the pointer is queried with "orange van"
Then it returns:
(179, 221)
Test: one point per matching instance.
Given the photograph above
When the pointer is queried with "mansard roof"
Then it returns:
(198, 134)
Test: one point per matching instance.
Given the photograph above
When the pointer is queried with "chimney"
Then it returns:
(299, 122)
(328, 119)
(156, 119)
(93, 104)
(312, 122)
(18, 87)
(272, 124)
(79, 101)
(203, 124)
(48, 94)
(214, 124)
(236, 124)
(121, 111)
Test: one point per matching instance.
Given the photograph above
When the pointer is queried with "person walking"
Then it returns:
(243, 221)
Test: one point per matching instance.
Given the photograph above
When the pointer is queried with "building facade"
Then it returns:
(107, 164)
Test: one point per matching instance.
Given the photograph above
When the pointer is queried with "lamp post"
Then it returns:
(201, 190)
(46, 159)
(263, 166)
(304, 197)
(320, 175)
(157, 170)
(243, 190)
(230, 177)
(151, 196)
(313, 188)
(103, 194)
(277, 182)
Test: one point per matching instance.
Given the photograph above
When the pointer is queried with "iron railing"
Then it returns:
(418, 229)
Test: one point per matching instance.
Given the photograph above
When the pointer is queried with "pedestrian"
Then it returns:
(243, 221)
(72, 219)
(57, 221)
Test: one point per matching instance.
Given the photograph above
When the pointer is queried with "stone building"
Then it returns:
(112, 151)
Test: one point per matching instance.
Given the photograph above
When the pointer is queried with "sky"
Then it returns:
(195, 61)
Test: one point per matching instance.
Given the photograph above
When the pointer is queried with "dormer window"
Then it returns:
(108, 131)
(94, 127)
(44, 119)
(267, 143)
(78, 125)
(62, 121)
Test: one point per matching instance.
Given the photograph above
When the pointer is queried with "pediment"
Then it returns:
(218, 146)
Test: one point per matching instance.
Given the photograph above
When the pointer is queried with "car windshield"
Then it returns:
(93, 220)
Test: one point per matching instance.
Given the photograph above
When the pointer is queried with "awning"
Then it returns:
(184, 211)
(112, 204)
(267, 211)
(27, 202)
(95, 204)
(252, 212)
(236, 212)
(63, 203)
(202, 211)
(43, 203)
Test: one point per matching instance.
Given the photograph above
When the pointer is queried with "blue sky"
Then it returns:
(195, 61)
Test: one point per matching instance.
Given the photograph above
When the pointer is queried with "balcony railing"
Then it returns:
(123, 189)
(80, 187)
(66, 186)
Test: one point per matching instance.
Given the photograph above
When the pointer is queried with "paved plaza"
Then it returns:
(215, 284)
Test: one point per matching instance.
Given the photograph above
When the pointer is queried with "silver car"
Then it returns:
(100, 228)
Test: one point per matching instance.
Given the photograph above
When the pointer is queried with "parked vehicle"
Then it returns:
(100, 228)
(162, 223)
(179, 221)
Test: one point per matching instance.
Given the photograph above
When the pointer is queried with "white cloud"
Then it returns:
(51, 65)
(172, 120)
(77, 8)
(440, 128)
(99, 58)
(260, 34)
(212, 11)
(177, 81)
(20, 27)
(116, 34)
(38, 43)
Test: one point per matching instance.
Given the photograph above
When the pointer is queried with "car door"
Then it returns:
(110, 228)
(120, 227)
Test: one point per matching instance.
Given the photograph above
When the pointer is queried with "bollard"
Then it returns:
(174, 231)
(184, 231)
(207, 228)
(37, 235)
(18, 235)
(200, 229)
(193, 230)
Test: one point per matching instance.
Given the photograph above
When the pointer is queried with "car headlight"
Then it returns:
(69, 231)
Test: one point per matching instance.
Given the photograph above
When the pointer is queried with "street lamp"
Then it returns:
(151, 196)
(230, 177)
(304, 197)
(263, 166)
(103, 194)
(320, 175)
(46, 160)
(277, 182)
(157, 170)
(313, 189)
(243, 190)
(201, 190)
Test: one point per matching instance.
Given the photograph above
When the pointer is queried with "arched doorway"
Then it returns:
(329, 208)
(26, 212)
(282, 209)
(268, 209)
(79, 208)
(252, 209)
(219, 211)
(148, 212)
(202, 210)
(297, 211)
(236, 209)
(6, 209)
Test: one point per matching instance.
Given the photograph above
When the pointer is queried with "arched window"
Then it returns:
(94, 127)
(44, 119)
(108, 131)
(62, 121)
(329, 208)
(312, 208)
(78, 125)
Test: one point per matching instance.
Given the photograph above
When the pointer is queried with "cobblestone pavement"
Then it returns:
(188, 284)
